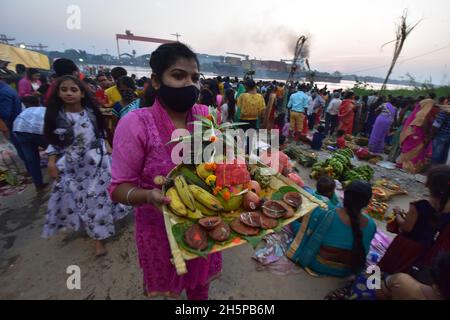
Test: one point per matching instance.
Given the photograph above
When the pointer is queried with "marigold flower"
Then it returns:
(209, 117)
(216, 190)
(213, 139)
(210, 180)
(210, 166)
(226, 195)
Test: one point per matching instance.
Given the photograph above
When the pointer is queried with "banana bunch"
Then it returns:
(182, 201)
(346, 152)
(184, 192)
(205, 198)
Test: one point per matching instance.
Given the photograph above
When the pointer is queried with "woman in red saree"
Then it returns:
(346, 113)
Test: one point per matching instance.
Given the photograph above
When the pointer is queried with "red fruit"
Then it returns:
(254, 186)
(251, 201)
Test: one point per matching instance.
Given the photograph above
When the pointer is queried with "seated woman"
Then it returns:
(420, 227)
(400, 286)
(335, 242)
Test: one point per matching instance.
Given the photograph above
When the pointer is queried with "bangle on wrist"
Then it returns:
(128, 195)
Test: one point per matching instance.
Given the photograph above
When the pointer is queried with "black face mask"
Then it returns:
(178, 99)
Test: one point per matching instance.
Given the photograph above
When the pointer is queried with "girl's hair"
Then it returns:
(438, 182)
(127, 82)
(357, 196)
(167, 54)
(31, 71)
(55, 104)
(229, 95)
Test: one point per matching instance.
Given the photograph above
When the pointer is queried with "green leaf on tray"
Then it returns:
(282, 191)
(179, 230)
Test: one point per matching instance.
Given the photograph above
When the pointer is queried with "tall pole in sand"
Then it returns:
(290, 80)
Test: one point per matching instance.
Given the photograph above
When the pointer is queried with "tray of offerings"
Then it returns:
(216, 207)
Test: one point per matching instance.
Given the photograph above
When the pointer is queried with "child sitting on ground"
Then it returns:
(318, 137)
(340, 141)
(325, 189)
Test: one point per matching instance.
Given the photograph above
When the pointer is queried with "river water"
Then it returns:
(344, 84)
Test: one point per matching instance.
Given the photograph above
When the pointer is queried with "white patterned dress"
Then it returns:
(79, 199)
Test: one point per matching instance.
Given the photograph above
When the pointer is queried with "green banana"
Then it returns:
(184, 192)
(206, 198)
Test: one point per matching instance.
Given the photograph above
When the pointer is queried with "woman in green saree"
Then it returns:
(336, 241)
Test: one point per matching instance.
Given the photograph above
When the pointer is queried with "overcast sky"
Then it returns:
(343, 35)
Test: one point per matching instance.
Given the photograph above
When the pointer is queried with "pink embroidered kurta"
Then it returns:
(140, 153)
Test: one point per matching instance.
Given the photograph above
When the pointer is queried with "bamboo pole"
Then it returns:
(402, 33)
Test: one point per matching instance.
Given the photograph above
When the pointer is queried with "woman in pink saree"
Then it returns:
(415, 137)
(141, 153)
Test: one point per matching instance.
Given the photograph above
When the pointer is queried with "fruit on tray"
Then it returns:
(195, 215)
(251, 201)
(268, 223)
(275, 209)
(205, 210)
(294, 199)
(196, 237)
(209, 223)
(243, 229)
(263, 180)
(230, 199)
(176, 205)
(221, 232)
(251, 219)
(205, 198)
(377, 209)
(202, 171)
(254, 186)
(184, 192)
(379, 194)
(289, 210)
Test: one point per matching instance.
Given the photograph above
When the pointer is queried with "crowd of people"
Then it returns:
(106, 140)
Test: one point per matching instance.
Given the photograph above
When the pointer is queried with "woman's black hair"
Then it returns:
(440, 273)
(250, 84)
(55, 104)
(127, 82)
(118, 72)
(438, 182)
(270, 90)
(348, 95)
(357, 196)
(167, 54)
(149, 95)
(31, 71)
(229, 95)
